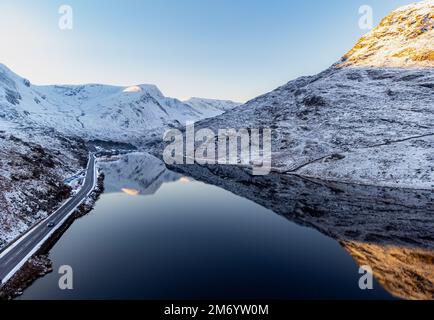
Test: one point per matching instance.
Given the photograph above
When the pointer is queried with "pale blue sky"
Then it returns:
(226, 49)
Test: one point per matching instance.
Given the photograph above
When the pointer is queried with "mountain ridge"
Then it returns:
(354, 123)
(95, 111)
(402, 39)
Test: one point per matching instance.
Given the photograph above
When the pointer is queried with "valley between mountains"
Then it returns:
(368, 120)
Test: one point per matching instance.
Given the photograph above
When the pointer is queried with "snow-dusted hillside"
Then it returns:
(211, 107)
(33, 167)
(40, 138)
(368, 119)
(99, 111)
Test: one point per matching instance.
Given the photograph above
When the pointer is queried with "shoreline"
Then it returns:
(39, 264)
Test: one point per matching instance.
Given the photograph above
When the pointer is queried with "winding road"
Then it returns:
(14, 257)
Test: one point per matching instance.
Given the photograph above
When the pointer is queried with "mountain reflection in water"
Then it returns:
(390, 230)
(137, 174)
(193, 232)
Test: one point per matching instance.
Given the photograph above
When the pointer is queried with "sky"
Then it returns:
(222, 49)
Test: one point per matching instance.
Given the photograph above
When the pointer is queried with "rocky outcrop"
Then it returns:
(404, 39)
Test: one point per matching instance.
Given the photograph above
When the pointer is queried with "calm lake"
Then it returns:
(158, 234)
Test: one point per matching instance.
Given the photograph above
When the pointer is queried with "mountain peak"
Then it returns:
(3, 67)
(10, 79)
(144, 88)
(6, 71)
(403, 39)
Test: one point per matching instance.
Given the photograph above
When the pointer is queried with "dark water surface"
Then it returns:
(155, 234)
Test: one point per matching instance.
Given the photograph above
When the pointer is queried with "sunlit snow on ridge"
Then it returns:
(132, 89)
(130, 192)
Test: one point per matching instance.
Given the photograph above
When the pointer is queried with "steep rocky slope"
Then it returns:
(32, 170)
(403, 39)
(368, 119)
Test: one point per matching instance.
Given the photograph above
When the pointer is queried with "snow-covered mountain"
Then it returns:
(403, 39)
(368, 119)
(211, 107)
(41, 132)
(99, 111)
